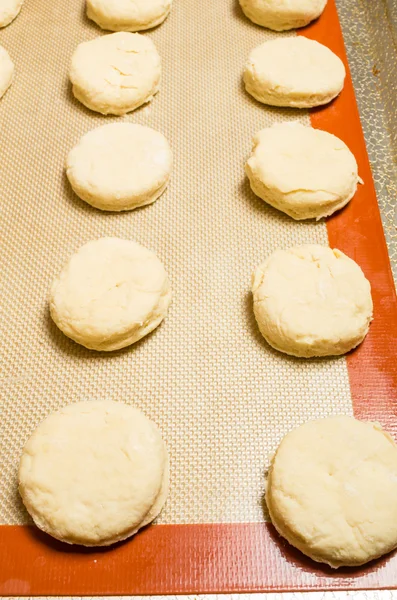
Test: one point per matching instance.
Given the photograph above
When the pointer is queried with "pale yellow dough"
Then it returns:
(306, 173)
(9, 9)
(110, 294)
(125, 15)
(281, 15)
(294, 71)
(6, 71)
(120, 166)
(312, 301)
(94, 473)
(332, 491)
(116, 73)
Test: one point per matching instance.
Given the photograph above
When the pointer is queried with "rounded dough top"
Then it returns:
(332, 490)
(294, 71)
(311, 172)
(124, 15)
(120, 166)
(91, 472)
(281, 15)
(115, 73)
(9, 9)
(111, 293)
(6, 71)
(312, 301)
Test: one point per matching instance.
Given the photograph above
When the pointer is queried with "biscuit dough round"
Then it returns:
(94, 473)
(332, 491)
(124, 15)
(110, 294)
(295, 72)
(120, 166)
(281, 15)
(312, 301)
(9, 9)
(306, 173)
(6, 71)
(115, 73)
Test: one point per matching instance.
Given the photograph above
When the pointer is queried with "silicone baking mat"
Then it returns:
(221, 397)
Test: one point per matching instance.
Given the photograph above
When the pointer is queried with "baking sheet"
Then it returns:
(222, 398)
(370, 33)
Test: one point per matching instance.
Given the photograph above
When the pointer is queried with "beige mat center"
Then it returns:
(221, 397)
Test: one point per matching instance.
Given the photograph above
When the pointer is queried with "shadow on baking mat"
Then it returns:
(279, 113)
(298, 560)
(294, 557)
(73, 349)
(91, 211)
(62, 548)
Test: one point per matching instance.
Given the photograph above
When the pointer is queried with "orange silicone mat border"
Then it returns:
(192, 559)
(357, 230)
(173, 559)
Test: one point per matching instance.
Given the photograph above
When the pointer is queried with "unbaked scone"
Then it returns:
(6, 71)
(281, 15)
(312, 301)
(120, 166)
(306, 173)
(294, 71)
(124, 15)
(94, 473)
(9, 9)
(332, 491)
(110, 294)
(114, 74)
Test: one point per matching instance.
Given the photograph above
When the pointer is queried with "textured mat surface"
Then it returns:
(221, 397)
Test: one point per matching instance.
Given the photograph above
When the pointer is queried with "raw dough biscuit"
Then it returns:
(6, 71)
(94, 473)
(110, 294)
(120, 166)
(304, 172)
(124, 15)
(9, 9)
(312, 301)
(281, 15)
(115, 73)
(295, 72)
(332, 491)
